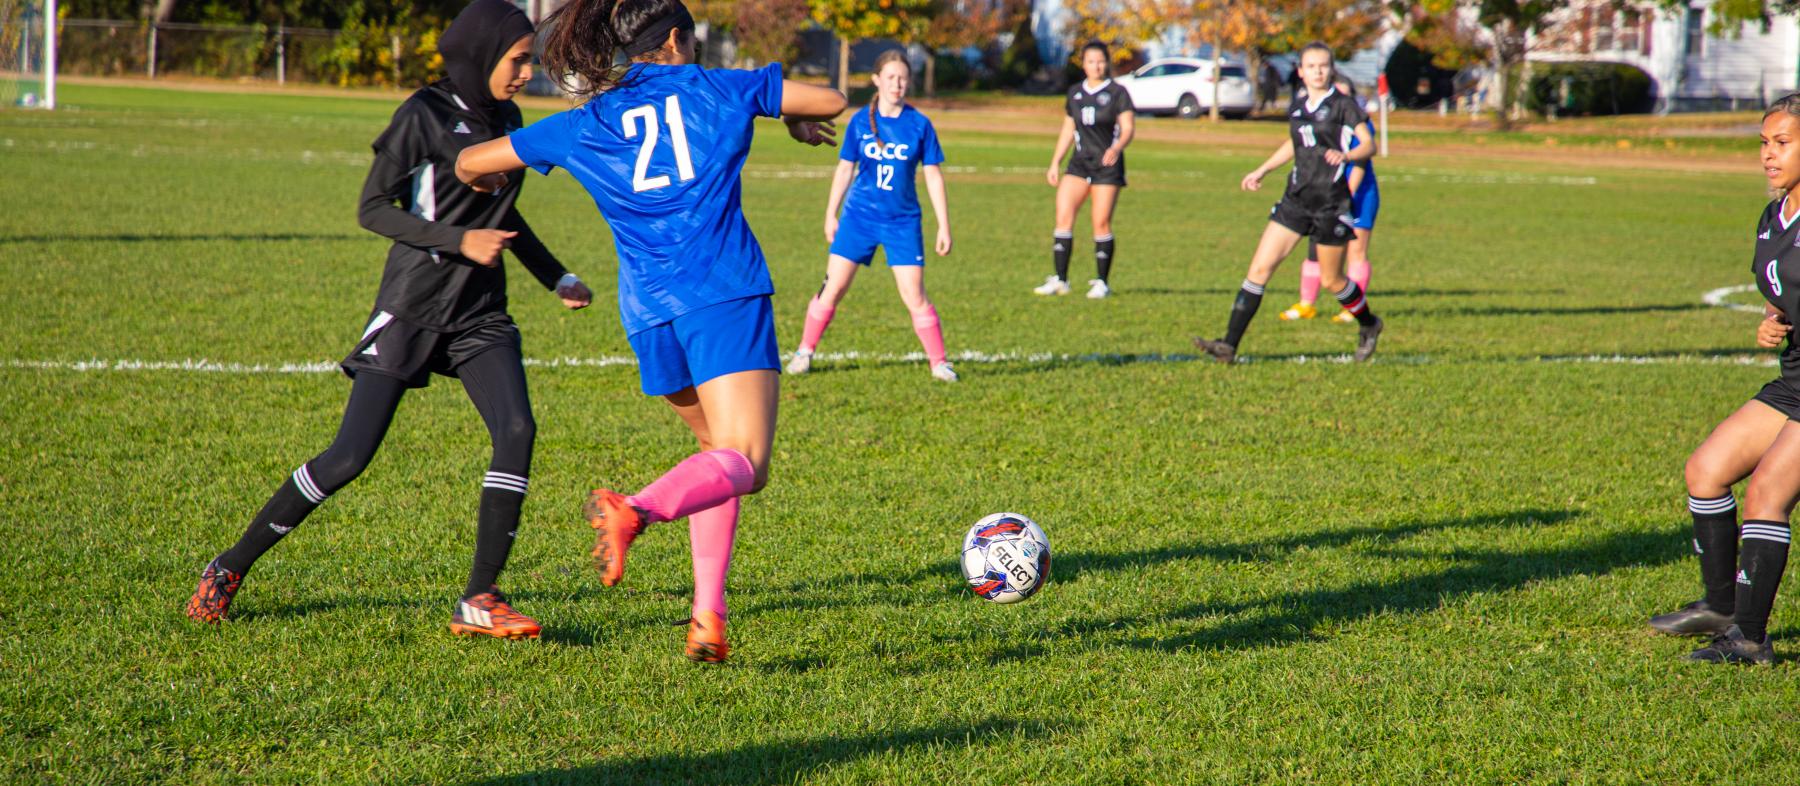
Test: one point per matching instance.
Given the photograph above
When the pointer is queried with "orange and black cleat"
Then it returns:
(488, 614)
(213, 597)
(706, 638)
(616, 524)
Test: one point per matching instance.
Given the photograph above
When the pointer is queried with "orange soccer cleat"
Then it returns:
(616, 524)
(488, 614)
(212, 599)
(706, 638)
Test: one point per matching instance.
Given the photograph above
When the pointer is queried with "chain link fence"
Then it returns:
(363, 55)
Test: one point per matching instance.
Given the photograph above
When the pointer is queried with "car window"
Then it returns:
(1175, 69)
(1151, 71)
(1237, 71)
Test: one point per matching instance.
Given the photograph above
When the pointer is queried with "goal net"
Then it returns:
(27, 54)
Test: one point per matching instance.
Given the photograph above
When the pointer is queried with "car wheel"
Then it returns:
(1188, 108)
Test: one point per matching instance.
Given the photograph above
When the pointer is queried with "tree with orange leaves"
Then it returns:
(851, 20)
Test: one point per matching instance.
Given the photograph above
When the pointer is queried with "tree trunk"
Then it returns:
(1218, 75)
(843, 74)
(930, 73)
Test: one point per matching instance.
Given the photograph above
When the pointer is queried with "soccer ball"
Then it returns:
(1006, 558)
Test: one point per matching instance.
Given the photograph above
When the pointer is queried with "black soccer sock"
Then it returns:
(1060, 246)
(502, 495)
(495, 382)
(1249, 299)
(1351, 298)
(1761, 559)
(1103, 256)
(1715, 540)
(284, 511)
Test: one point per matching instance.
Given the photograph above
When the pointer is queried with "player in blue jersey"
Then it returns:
(884, 145)
(1365, 203)
(660, 145)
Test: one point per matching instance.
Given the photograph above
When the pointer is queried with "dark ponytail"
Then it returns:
(588, 37)
(890, 56)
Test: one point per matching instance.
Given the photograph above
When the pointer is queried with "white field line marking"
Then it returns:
(880, 358)
(1717, 297)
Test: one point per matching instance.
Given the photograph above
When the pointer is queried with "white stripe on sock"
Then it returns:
(494, 484)
(505, 481)
(303, 480)
(1764, 532)
(1103, 238)
(1252, 287)
(1719, 505)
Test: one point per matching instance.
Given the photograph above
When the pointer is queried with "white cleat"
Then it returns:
(1098, 290)
(801, 363)
(1053, 286)
(943, 372)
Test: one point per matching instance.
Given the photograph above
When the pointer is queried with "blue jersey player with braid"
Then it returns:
(660, 145)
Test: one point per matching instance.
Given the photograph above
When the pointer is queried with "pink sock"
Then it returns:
(701, 481)
(818, 317)
(931, 333)
(1309, 281)
(1359, 272)
(711, 533)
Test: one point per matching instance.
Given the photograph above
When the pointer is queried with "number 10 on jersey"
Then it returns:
(646, 117)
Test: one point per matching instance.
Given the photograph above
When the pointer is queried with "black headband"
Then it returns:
(651, 38)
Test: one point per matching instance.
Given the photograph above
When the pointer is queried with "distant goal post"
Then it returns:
(28, 35)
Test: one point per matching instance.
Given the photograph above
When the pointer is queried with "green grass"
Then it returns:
(1431, 569)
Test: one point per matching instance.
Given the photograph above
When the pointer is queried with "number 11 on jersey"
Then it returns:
(646, 116)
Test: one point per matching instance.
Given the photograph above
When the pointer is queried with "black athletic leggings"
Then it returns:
(495, 382)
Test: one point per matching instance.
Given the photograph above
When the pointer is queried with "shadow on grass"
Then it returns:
(776, 761)
(1298, 617)
(1556, 311)
(192, 237)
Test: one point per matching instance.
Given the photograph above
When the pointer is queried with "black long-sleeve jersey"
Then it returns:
(1315, 128)
(1096, 115)
(427, 281)
(1777, 271)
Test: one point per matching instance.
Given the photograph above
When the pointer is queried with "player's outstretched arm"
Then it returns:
(940, 206)
(1283, 154)
(1064, 138)
(477, 165)
(802, 102)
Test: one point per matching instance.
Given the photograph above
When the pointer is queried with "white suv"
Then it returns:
(1184, 86)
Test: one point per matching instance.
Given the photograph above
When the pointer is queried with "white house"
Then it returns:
(1691, 68)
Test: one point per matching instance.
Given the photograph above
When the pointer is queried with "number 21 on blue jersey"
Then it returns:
(645, 117)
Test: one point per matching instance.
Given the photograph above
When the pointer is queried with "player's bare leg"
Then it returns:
(1105, 198)
(1762, 555)
(1277, 242)
(1071, 191)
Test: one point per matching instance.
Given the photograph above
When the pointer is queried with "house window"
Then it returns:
(1696, 31)
(1603, 30)
(1627, 36)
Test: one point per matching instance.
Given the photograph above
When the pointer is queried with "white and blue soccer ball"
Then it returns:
(1006, 558)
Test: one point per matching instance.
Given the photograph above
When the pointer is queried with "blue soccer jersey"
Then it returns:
(887, 155)
(662, 155)
(1367, 165)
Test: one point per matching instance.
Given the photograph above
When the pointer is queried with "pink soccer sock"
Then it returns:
(931, 333)
(701, 481)
(1309, 281)
(818, 317)
(1359, 272)
(710, 533)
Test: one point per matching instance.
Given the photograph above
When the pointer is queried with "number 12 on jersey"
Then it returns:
(646, 117)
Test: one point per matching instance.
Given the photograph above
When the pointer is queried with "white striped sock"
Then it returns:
(1716, 505)
(1252, 287)
(303, 480)
(1769, 532)
(506, 482)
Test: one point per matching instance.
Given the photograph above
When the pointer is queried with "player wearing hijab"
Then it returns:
(1365, 203)
(1321, 123)
(1100, 123)
(886, 144)
(660, 145)
(1760, 441)
(441, 309)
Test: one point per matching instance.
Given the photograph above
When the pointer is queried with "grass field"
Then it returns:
(1430, 569)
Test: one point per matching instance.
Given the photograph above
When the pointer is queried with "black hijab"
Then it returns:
(474, 43)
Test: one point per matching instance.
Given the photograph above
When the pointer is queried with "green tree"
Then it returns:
(852, 20)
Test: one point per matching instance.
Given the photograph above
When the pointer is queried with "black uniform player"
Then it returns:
(441, 309)
(1100, 123)
(1321, 123)
(1760, 441)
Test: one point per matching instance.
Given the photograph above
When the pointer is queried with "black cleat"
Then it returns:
(1732, 647)
(1366, 337)
(1219, 350)
(1694, 619)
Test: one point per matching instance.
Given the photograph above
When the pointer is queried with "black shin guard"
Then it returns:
(1060, 247)
(1762, 557)
(284, 511)
(495, 530)
(1103, 257)
(1249, 299)
(495, 382)
(1716, 541)
(1352, 299)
